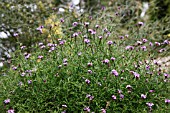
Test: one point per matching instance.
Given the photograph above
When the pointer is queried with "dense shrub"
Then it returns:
(98, 65)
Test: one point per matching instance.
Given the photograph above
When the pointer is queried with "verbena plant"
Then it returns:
(95, 67)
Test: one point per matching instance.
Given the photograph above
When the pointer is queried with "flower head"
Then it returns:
(121, 96)
(86, 24)
(11, 111)
(114, 72)
(86, 41)
(75, 34)
(90, 64)
(143, 48)
(87, 109)
(87, 81)
(110, 42)
(129, 48)
(144, 40)
(112, 58)
(143, 96)
(167, 101)
(106, 61)
(75, 24)
(113, 97)
(103, 110)
(7, 101)
(140, 23)
(149, 104)
(90, 71)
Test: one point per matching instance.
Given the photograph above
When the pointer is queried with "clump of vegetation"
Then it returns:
(95, 67)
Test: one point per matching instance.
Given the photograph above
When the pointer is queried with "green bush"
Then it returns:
(98, 65)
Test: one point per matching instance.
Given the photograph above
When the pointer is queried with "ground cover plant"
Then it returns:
(94, 66)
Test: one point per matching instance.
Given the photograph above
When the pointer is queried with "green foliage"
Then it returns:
(71, 74)
(88, 66)
(159, 9)
(23, 17)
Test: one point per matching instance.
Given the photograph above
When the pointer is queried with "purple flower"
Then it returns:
(105, 30)
(79, 54)
(86, 41)
(89, 97)
(110, 42)
(144, 40)
(7, 101)
(151, 91)
(166, 42)
(116, 13)
(103, 110)
(40, 57)
(75, 34)
(20, 83)
(112, 58)
(10, 111)
(65, 63)
(150, 44)
(143, 96)
(100, 37)
(149, 104)
(129, 87)
(140, 23)
(113, 97)
(75, 24)
(28, 71)
(103, 8)
(126, 35)
(161, 50)
(139, 42)
(87, 109)
(65, 60)
(114, 72)
(62, 42)
(15, 34)
(27, 56)
(90, 64)
(121, 37)
(22, 47)
(40, 28)
(40, 44)
(65, 106)
(86, 24)
(166, 75)
(121, 96)
(119, 91)
(147, 67)
(157, 43)
(61, 20)
(87, 81)
(129, 48)
(14, 68)
(167, 101)
(23, 74)
(92, 31)
(43, 46)
(136, 75)
(63, 111)
(29, 81)
(97, 26)
(89, 71)
(106, 61)
(49, 44)
(108, 34)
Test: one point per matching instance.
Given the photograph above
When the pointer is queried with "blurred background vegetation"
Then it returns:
(24, 16)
